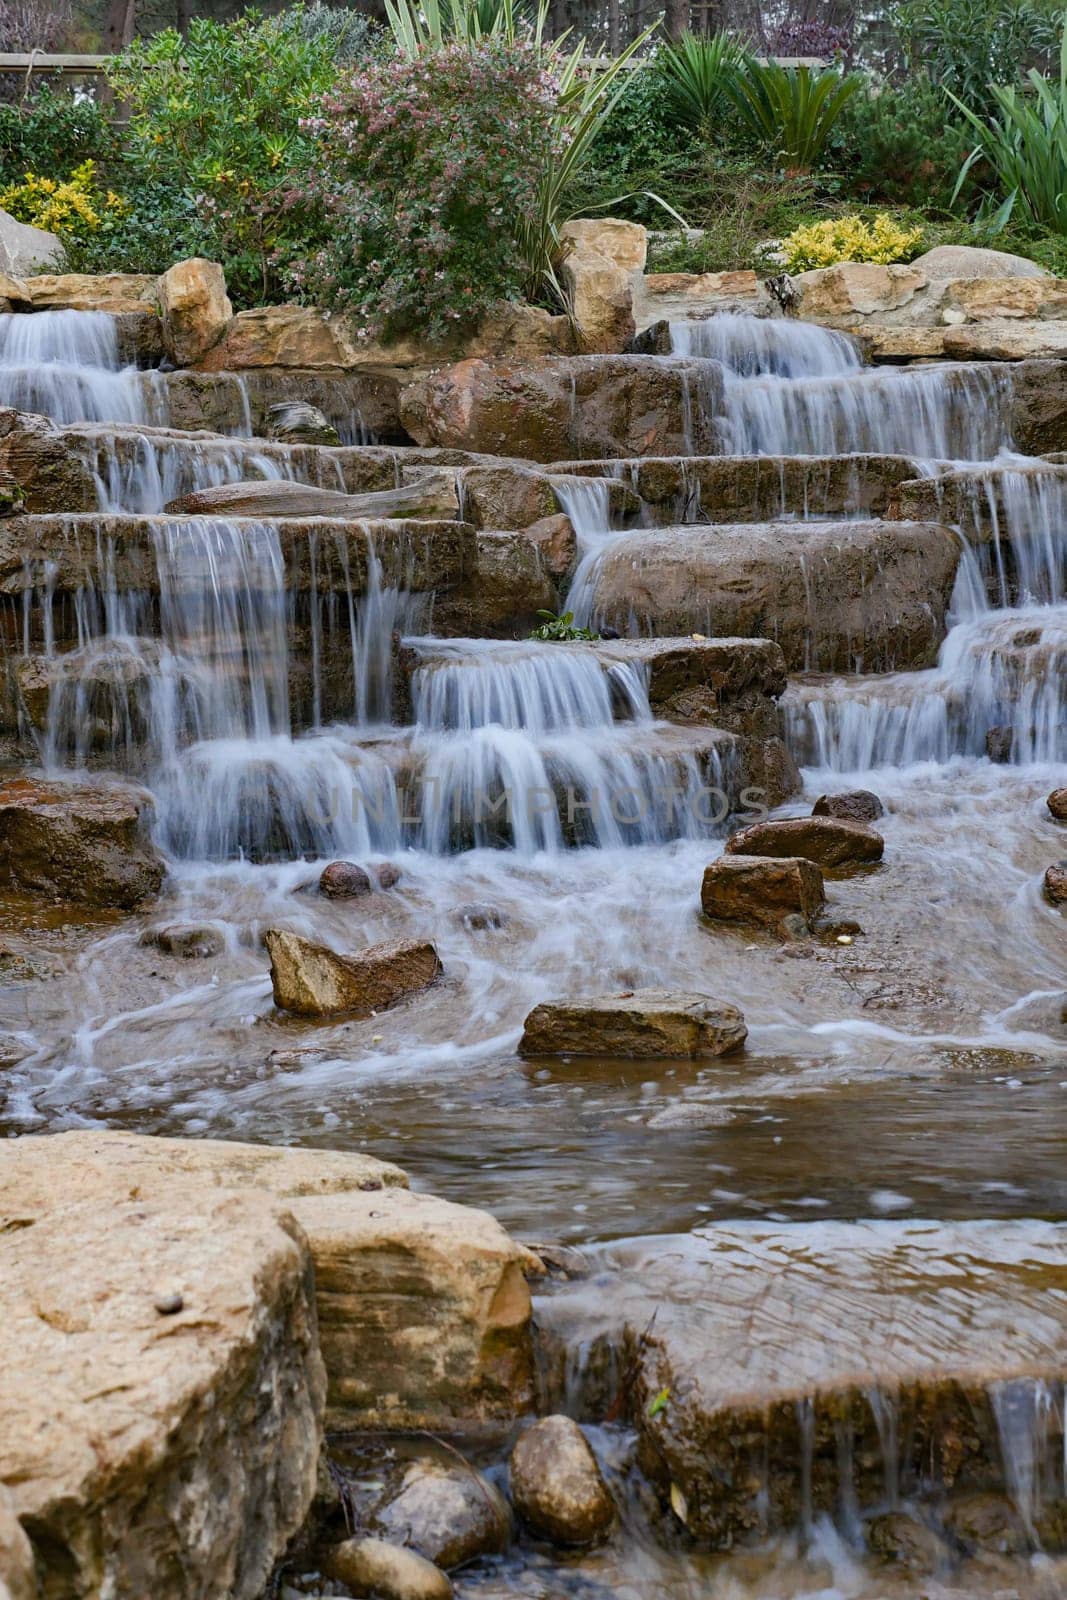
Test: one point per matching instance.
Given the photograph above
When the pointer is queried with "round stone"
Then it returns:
(343, 880)
(557, 1486)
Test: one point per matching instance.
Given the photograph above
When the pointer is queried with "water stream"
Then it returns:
(550, 835)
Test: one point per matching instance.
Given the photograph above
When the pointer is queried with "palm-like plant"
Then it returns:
(696, 71)
(1025, 143)
(791, 109)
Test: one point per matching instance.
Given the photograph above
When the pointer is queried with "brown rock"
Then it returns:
(18, 1575)
(843, 295)
(557, 1485)
(41, 460)
(625, 244)
(855, 805)
(388, 875)
(430, 494)
(897, 1537)
(830, 842)
(597, 272)
(450, 1514)
(194, 307)
(1055, 883)
(278, 336)
(761, 890)
(187, 940)
(1057, 804)
(313, 981)
(1007, 339)
(86, 291)
(987, 1522)
(998, 743)
(80, 842)
(648, 1023)
(343, 880)
(511, 583)
(296, 422)
(557, 542)
(373, 1567)
(982, 299)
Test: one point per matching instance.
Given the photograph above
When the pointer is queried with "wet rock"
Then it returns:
(555, 538)
(510, 585)
(1057, 804)
(448, 1514)
(40, 459)
(296, 422)
(761, 890)
(1045, 1013)
(557, 1260)
(185, 939)
(343, 880)
(194, 308)
(647, 1023)
(80, 842)
(897, 1537)
(998, 744)
(116, 1421)
(374, 1567)
(830, 842)
(18, 1575)
(882, 593)
(312, 981)
(480, 917)
(855, 805)
(12, 499)
(557, 1485)
(388, 875)
(430, 494)
(25, 250)
(1055, 883)
(13, 1050)
(1038, 418)
(987, 1522)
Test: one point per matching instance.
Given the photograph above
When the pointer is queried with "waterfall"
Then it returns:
(66, 365)
(587, 502)
(756, 346)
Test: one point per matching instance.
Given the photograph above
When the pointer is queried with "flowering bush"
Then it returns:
(429, 168)
(71, 207)
(824, 244)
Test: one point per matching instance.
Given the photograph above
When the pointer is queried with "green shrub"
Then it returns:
(963, 46)
(791, 110)
(51, 134)
(695, 73)
(902, 143)
(738, 207)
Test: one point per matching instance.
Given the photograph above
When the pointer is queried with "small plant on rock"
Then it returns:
(560, 628)
(825, 244)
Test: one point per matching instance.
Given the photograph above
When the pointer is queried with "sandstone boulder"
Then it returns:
(832, 843)
(650, 1022)
(194, 307)
(676, 296)
(761, 890)
(833, 595)
(39, 457)
(843, 295)
(854, 805)
(968, 261)
(296, 422)
(1005, 339)
(557, 1486)
(25, 250)
(511, 583)
(1057, 804)
(450, 1514)
(602, 256)
(88, 291)
(429, 494)
(312, 981)
(625, 244)
(14, 295)
(162, 1390)
(557, 542)
(374, 1567)
(562, 409)
(80, 842)
(278, 336)
(343, 880)
(1055, 883)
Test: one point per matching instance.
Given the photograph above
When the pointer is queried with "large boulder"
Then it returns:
(761, 890)
(312, 981)
(161, 1387)
(25, 250)
(663, 297)
(42, 459)
(1006, 339)
(969, 261)
(556, 1483)
(566, 408)
(649, 1022)
(194, 307)
(603, 256)
(842, 596)
(831, 842)
(844, 296)
(79, 842)
(512, 582)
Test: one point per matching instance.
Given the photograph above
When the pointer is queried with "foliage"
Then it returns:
(560, 628)
(434, 170)
(823, 244)
(792, 110)
(52, 133)
(421, 25)
(637, 148)
(216, 120)
(963, 46)
(812, 36)
(35, 24)
(695, 73)
(348, 35)
(901, 143)
(71, 207)
(1025, 144)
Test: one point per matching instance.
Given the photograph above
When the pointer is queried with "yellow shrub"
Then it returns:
(75, 206)
(824, 244)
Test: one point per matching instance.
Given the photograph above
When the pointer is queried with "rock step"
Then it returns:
(647, 1023)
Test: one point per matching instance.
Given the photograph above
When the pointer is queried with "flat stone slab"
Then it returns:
(803, 1366)
(833, 843)
(648, 1022)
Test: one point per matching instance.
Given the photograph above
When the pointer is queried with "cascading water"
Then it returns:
(67, 365)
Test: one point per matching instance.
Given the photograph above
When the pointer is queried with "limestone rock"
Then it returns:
(993, 299)
(429, 494)
(188, 940)
(18, 1576)
(1005, 339)
(854, 805)
(894, 1536)
(557, 1485)
(173, 1455)
(844, 294)
(296, 422)
(39, 457)
(312, 981)
(450, 1514)
(1055, 883)
(602, 256)
(830, 842)
(557, 542)
(91, 291)
(278, 336)
(625, 244)
(650, 1022)
(343, 880)
(1057, 804)
(502, 597)
(968, 261)
(677, 296)
(194, 307)
(14, 295)
(761, 890)
(80, 842)
(984, 1521)
(25, 250)
(373, 1567)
